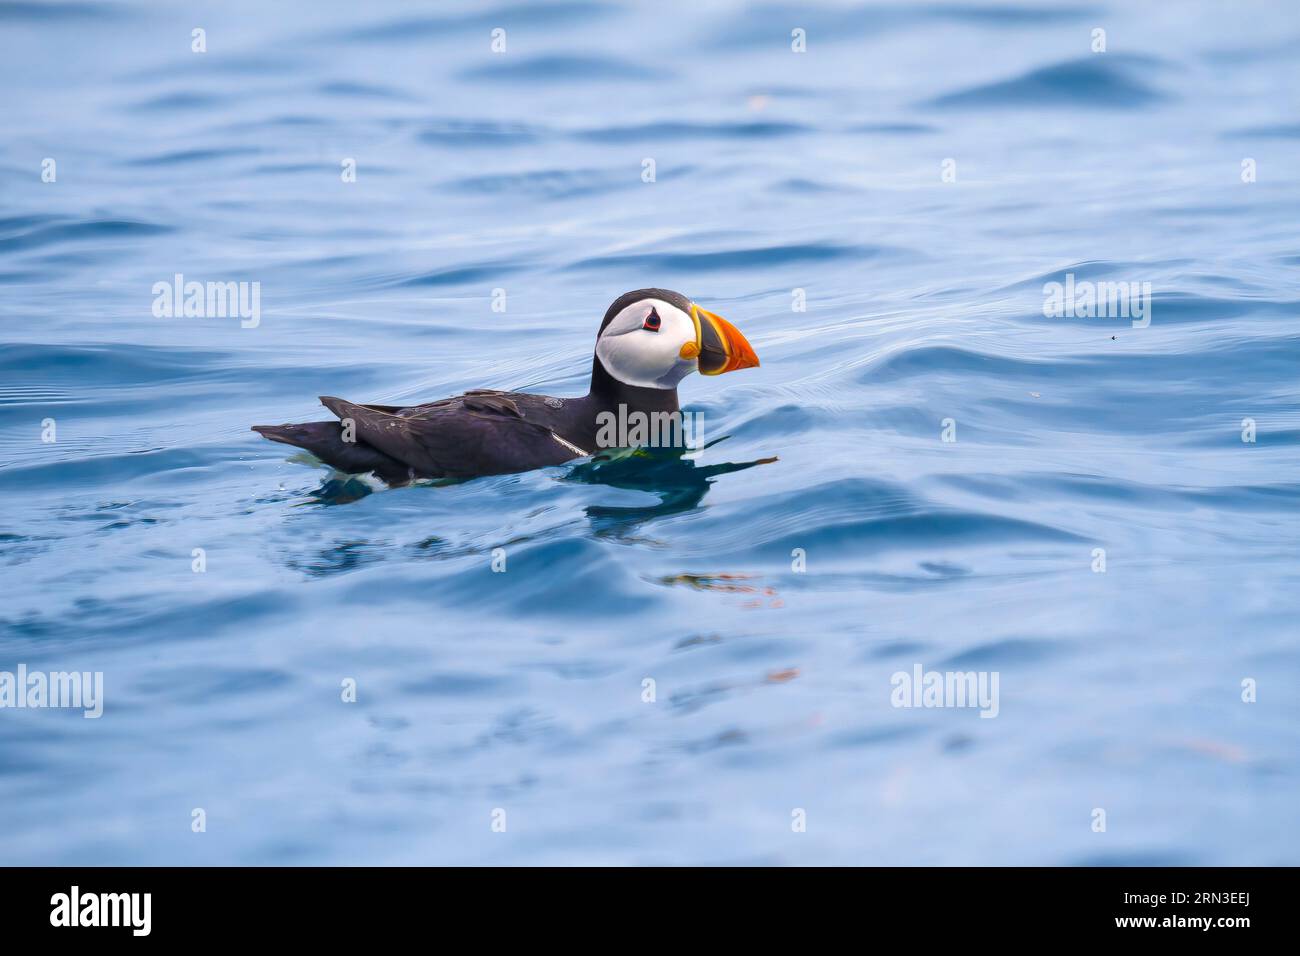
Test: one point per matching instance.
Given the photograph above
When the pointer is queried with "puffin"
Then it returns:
(648, 341)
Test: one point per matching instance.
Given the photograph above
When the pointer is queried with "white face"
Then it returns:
(638, 355)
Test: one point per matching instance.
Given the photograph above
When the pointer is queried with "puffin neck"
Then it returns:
(607, 393)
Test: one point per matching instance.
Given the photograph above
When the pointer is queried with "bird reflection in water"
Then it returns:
(677, 480)
(668, 473)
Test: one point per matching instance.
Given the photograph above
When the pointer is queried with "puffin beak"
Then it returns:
(721, 347)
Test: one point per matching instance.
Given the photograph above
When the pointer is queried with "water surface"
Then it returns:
(775, 171)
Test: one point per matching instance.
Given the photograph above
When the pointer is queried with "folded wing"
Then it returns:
(479, 433)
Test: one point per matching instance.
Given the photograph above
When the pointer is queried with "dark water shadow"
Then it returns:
(340, 489)
(678, 482)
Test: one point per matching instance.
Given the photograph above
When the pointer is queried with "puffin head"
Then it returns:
(654, 338)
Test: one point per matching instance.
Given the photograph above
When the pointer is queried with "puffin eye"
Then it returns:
(652, 321)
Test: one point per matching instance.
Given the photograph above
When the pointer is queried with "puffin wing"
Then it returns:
(479, 433)
(325, 441)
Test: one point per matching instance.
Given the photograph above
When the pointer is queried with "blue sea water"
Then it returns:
(920, 172)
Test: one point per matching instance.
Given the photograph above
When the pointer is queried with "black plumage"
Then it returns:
(482, 432)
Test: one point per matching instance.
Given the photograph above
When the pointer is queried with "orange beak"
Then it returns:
(719, 344)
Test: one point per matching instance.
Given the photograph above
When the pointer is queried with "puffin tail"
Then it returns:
(325, 441)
